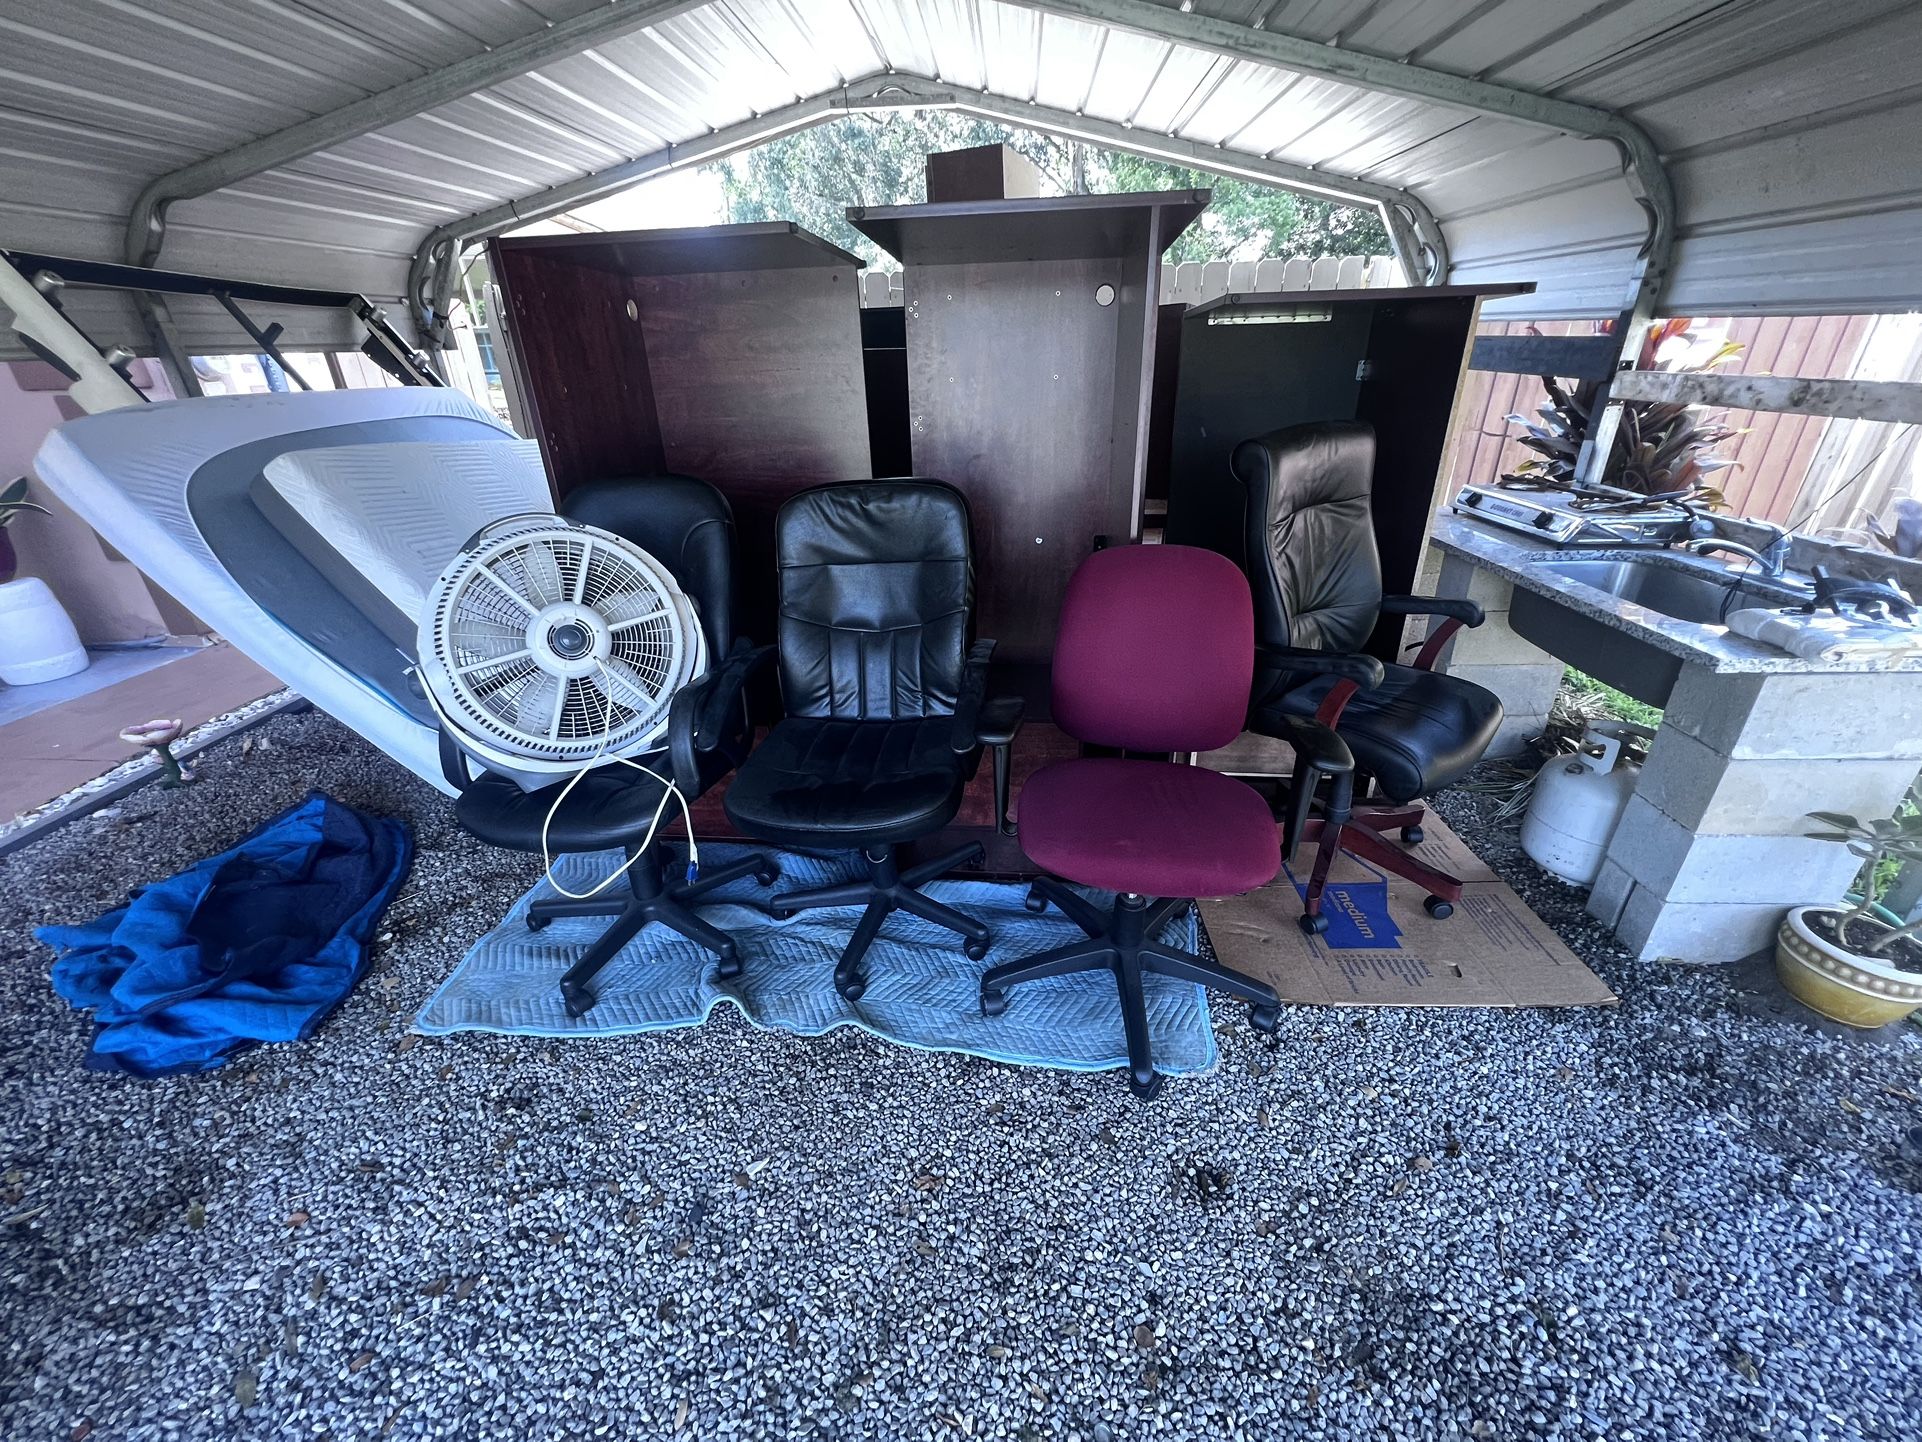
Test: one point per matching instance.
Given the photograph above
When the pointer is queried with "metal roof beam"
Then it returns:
(1418, 238)
(1642, 167)
(146, 222)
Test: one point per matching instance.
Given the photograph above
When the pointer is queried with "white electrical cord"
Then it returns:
(671, 792)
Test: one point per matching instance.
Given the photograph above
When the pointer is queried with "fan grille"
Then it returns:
(497, 610)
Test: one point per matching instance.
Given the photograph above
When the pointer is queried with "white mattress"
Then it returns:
(398, 512)
(125, 472)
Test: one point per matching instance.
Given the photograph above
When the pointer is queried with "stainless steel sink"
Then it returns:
(1688, 592)
(1680, 588)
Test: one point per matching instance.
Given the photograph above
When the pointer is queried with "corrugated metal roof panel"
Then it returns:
(1795, 127)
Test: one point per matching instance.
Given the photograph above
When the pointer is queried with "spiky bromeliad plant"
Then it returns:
(1663, 449)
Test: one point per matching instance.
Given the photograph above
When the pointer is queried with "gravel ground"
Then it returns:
(1688, 1216)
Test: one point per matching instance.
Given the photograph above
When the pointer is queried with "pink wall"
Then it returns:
(108, 599)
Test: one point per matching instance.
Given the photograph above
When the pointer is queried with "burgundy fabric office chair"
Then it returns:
(1155, 654)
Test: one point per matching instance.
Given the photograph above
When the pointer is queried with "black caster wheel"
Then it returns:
(578, 999)
(993, 1003)
(1147, 1090)
(853, 991)
(1036, 902)
(728, 968)
(1437, 908)
(1312, 925)
(1264, 1019)
(976, 950)
(781, 913)
(1413, 835)
(538, 923)
(768, 877)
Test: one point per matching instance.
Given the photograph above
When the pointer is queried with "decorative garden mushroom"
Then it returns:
(158, 737)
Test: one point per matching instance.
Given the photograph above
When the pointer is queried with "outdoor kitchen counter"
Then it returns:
(1517, 560)
(1710, 852)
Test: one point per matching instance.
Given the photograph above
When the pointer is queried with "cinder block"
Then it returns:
(1876, 715)
(1677, 864)
(1523, 690)
(1610, 893)
(1495, 643)
(1514, 734)
(1713, 794)
(1700, 932)
(1461, 577)
(1712, 707)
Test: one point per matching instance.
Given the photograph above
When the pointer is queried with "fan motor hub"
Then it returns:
(569, 640)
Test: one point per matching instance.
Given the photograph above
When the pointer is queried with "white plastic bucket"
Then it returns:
(37, 639)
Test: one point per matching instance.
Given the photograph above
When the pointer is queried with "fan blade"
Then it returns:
(629, 622)
(487, 663)
(537, 708)
(580, 568)
(543, 571)
(508, 591)
(630, 680)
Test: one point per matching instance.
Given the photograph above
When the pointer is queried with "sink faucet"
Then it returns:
(1772, 558)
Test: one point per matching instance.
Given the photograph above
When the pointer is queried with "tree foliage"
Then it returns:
(811, 177)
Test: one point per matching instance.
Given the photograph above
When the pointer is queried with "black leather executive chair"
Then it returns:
(885, 700)
(687, 526)
(1316, 576)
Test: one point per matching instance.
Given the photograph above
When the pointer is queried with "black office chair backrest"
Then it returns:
(1312, 561)
(876, 587)
(684, 524)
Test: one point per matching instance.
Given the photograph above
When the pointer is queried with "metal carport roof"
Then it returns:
(325, 143)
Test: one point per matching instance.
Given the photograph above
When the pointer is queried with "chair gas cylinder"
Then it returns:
(1578, 801)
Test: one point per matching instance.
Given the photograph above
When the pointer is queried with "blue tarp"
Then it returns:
(256, 944)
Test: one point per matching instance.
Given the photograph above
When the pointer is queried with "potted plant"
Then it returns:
(37, 639)
(1664, 448)
(1856, 962)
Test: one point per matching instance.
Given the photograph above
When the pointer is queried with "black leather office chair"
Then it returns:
(686, 525)
(885, 700)
(1316, 576)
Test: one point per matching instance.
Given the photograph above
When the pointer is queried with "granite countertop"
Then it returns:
(1517, 559)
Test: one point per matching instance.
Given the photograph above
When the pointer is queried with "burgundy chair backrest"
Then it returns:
(1156, 650)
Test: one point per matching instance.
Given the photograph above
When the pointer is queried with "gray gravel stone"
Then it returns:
(1689, 1216)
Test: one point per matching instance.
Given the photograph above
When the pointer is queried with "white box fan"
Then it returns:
(548, 646)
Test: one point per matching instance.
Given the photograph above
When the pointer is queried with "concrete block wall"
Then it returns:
(1492, 655)
(1711, 849)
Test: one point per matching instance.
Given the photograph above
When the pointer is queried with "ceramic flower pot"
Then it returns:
(37, 640)
(1865, 991)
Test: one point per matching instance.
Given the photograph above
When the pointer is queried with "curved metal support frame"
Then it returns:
(432, 279)
(1642, 168)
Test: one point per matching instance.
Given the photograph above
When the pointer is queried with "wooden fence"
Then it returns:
(1775, 451)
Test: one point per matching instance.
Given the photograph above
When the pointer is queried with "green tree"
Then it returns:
(811, 177)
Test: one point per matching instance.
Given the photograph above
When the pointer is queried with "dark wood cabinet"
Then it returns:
(1251, 363)
(732, 353)
(1030, 360)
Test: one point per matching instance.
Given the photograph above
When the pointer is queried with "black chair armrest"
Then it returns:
(998, 720)
(703, 710)
(965, 736)
(1320, 753)
(1365, 671)
(1454, 611)
(1455, 608)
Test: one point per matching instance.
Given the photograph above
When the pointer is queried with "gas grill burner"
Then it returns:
(1582, 518)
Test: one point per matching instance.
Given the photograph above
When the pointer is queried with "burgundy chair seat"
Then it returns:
(1150, 827)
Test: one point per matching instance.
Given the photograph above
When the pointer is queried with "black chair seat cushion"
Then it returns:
(1415, 733)
(823, 781)
(611, 806)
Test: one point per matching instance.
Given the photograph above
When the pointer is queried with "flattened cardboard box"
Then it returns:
(1382, 949)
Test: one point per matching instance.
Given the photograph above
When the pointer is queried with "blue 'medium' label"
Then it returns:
(1357, 913)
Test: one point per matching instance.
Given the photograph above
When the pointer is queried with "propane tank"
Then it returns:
(1579, 799)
